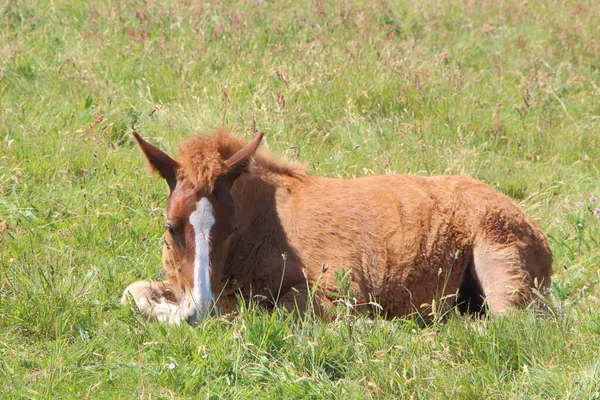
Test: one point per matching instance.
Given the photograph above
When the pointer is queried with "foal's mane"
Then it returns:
(203, 157)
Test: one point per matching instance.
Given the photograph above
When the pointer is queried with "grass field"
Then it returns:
(507, 92)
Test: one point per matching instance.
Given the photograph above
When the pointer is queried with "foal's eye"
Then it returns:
(170, 228)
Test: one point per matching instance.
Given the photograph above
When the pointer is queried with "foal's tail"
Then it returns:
(509, 272)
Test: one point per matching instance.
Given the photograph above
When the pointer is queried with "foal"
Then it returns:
(241, 224)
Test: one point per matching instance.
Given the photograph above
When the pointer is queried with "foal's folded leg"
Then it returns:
(159, 301)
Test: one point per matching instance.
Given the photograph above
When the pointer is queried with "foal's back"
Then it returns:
(404, 238)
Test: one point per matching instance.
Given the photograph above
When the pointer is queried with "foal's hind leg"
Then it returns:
(507, 274)
(158, 301)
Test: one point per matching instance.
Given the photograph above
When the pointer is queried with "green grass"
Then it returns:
(347, 88)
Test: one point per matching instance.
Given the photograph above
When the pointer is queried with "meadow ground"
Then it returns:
(506, 92)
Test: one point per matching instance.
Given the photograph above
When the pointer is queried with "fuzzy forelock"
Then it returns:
(203, 157)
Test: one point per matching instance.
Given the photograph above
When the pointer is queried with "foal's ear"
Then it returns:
(159, 161)
(238, 163)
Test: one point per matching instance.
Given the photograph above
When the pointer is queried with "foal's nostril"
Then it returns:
(192, 316)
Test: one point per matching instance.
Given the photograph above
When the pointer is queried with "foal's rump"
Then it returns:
(506, 254)
(410, 241)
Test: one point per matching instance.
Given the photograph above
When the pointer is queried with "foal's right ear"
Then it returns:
(159, 161)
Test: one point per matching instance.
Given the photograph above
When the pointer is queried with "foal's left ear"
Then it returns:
(238, 163)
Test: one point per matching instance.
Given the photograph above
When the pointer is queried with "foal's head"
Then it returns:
(200, 209)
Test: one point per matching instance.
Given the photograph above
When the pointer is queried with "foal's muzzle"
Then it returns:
(194, 316)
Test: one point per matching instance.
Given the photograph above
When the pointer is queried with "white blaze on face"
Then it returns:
(202, 220)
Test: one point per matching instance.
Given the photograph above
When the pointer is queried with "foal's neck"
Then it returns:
(256, 196)
(258, 225)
